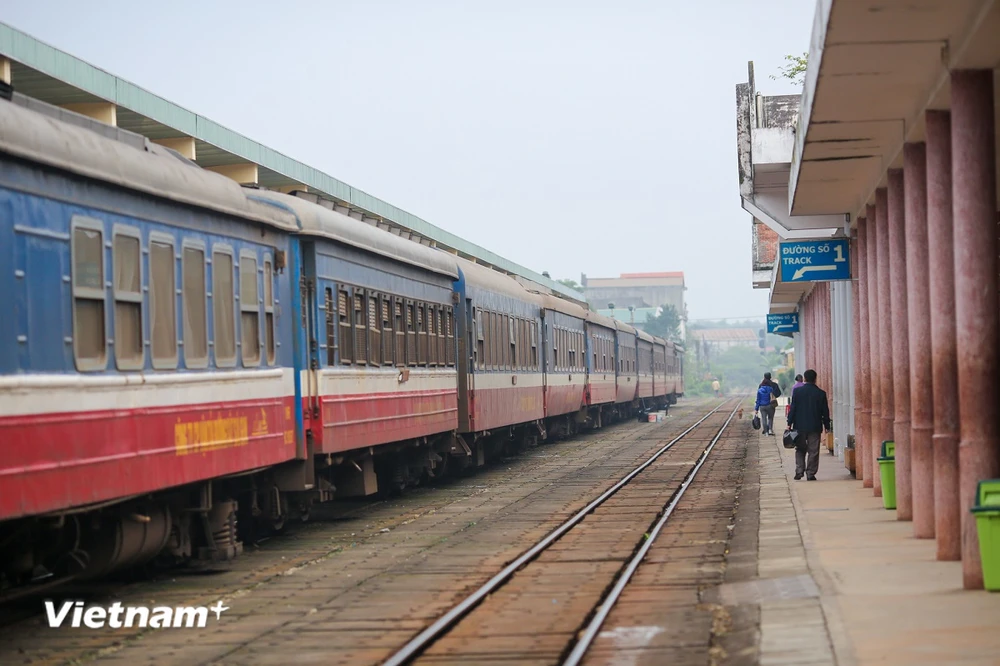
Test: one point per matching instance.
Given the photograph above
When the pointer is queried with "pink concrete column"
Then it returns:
(974, 206)
(862, 357)
(944, 354)
(884, 324)
(900, 344)
(919, 307)
(874, 348)
(827, 344)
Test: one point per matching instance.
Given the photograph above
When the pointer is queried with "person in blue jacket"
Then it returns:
(767, 401)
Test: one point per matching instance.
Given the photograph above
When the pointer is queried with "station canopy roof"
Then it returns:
(874, 68)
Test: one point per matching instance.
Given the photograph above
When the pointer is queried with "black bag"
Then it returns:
(755, 422)
(790, 439)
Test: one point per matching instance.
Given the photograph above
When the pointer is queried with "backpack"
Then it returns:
(764, 395)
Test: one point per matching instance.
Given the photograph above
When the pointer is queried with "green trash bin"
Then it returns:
(987, 513)
(887, 471)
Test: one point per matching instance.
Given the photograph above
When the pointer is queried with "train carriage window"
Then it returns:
(512, 343)
(555, 349)
(344, 328)
(497, 341)
(442, 351)
(374, 332)
(126, 262)
(360, 328)
(411, 334)
(480, 341)
(450, 335)
(331, 327)
(421, 335)
(223, 308)
(388, 335)
(89, 338)
(269, 310)
(490, 334)
(249, 311)
(432, 333)
(162, 304)
(534, 345)
(397, 304)
(503, 346)
(195, 307)
(522, 339)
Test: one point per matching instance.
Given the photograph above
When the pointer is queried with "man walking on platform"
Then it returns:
(767, 401)
(809, 415)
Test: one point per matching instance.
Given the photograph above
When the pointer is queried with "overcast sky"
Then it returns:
(587, 136)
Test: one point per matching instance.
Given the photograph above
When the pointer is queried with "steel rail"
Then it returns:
(590, 633)
(426, 637)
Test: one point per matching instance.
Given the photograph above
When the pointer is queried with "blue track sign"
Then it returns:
(815, 261)
(787, 322)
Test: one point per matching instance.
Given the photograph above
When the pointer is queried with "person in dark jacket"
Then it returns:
(809, 415)
(766, 404)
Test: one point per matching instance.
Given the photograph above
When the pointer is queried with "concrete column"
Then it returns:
(886, 405)
(833, 302)
(874, 348)
(850, 313)
(4, 70)
(944, 354)
(974, 206)
(919, 308)
(900, 344)
(862, 355)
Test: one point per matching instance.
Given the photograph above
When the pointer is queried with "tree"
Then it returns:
(742, 367)
(794, 69)
(572, 284)
(666, 324)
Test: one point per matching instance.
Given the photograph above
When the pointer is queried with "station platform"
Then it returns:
(859, 588)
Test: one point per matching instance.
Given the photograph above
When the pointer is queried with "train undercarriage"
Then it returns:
(207, 523)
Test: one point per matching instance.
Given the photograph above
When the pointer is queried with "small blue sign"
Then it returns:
(787, 322)
(815, 261)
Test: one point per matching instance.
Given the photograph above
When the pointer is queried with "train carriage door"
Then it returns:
(314, 324)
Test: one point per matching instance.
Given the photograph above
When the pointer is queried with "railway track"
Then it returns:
(587, 562)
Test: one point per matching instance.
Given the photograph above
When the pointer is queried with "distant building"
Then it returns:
(638, 290)
(715, 340)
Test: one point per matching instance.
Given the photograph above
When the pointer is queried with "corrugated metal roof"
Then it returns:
(47, 73)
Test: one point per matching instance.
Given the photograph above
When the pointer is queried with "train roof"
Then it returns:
(622, 326)
(564, 306)
(316, 220)
(487, 278)
(643, 335)
(601, 320)
(29, 135)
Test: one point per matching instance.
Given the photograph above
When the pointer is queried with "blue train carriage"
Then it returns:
(644, 365)
(380, 391)
(627, 380)
(565, 344)
(601, 367)
(146, 350)
(501, 389)
(675, 372)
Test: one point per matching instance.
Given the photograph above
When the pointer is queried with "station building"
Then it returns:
(893, 147)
